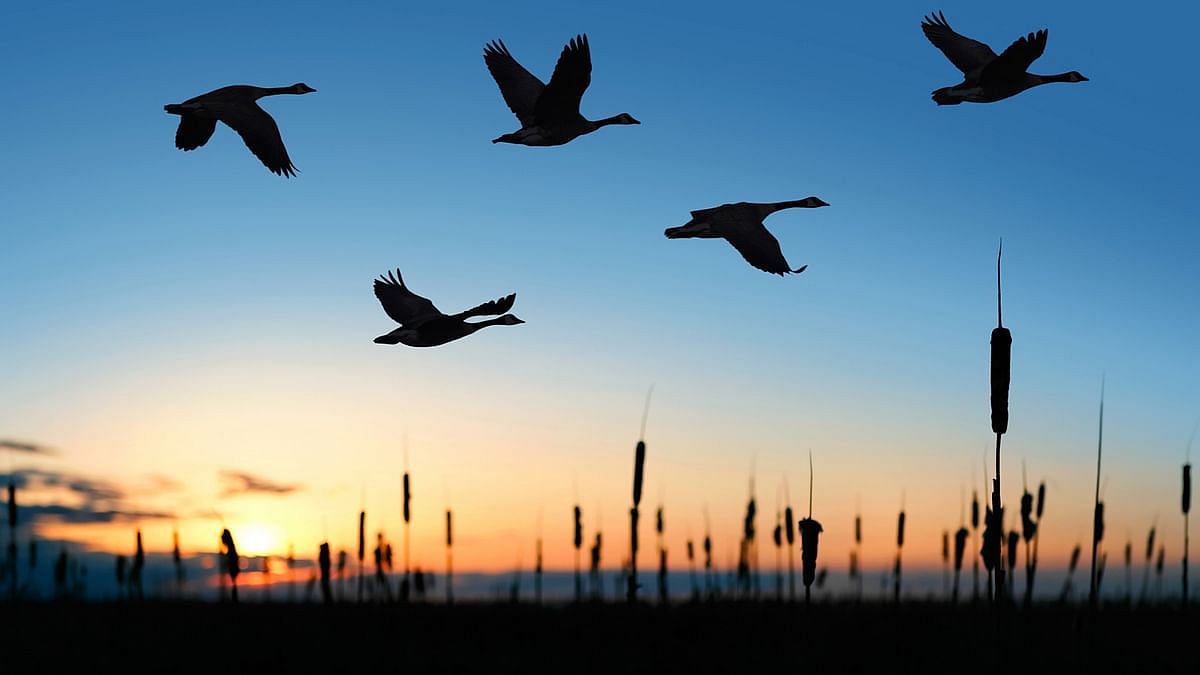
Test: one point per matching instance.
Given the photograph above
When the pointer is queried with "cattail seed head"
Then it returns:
(1074, 558)
(1150, 545)
(175, 555)
(945, 546)
(1187, 488)
(788, 526)
(960, 546)
(1014, 538)
(1162, 555)
(993, 540)
(639, 461)
(1028, 525)
(857, 529)
(658, 521)
(748, 525)
(974, 510)
(778, 535)
(853, 564)
(691, 551)
(450, 530)
(1099, 521)
(1041, 500)
(407, 499)
(900, 531)
(12, 504)
(231, 554)
(810, 531)
(362, 536)
(578, 527)
(1001, 369)
(707, 552)
(1128, 553)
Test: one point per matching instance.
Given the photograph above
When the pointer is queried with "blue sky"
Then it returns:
(146, 289)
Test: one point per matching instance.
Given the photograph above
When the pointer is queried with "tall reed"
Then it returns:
(1187, 506)
(135, 572)
(960, 546)
(578, 542)
(1031, 571)
(449, 558)
(177, 559)
(899, 550)
(11, 559)
(537, 571)
(945, 563)
(858, 577)
(323, 561)
(662, 556)
(1129, 573)
(1098, 514)
(362, 550)
(232, 564)
(975, 545)
(810, 532)
(777, 539)
(789, 529)
(597, 589)
(1014, 542)
(1068, 586)
(1158, 570)
(1001, 375)
(691, 557)
(639, 463)
(404, 585)
(1147, 563)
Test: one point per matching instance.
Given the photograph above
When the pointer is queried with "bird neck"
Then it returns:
(1060, 77)
(615, 119)
(272, 91)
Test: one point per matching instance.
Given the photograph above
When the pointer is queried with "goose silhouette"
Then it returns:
(987, 77)
(741, 224)
(549, 113)
(423, 325)
(237, 107)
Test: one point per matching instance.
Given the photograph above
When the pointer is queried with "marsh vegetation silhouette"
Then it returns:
(986, 76)
(548, 113)
(237, 106)
(741, 225)
(424, 325)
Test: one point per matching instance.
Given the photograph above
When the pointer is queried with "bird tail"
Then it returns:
(944, 97)
(800, 269)
(173, 108)
(389, 339)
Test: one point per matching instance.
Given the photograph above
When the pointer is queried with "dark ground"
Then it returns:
(501, 638)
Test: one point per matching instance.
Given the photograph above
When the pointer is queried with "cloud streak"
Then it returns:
(27, 448)
(241, 483)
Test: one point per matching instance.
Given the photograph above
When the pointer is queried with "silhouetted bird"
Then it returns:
(549, 114)
(236, 106)
(423, 325)
(987, 77)
(741, 224)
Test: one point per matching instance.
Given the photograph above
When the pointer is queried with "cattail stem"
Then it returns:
(1096, 520)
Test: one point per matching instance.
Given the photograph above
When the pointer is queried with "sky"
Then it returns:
(175, 320)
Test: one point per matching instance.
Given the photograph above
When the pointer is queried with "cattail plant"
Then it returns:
(899, 549)
(12, 534)
(858, 577)
(1014, 541)
(746, 562)
(135, 572)
(380, 575)
(1067, 585)
(323, 561)
(1001, 375)
(789, 530)
(810, 532)
(777, 538)
(450, 558)
(362, 550)
(960, 546)
(1129, 572)
(639, 463)
(1147, 562)
(231, 561)
(1187, 506)
(404, 586)
(1158, 569)
(341, 573)
(975, 545)
(1032, 560)
(992, 552)
(578, 541)
(122, 561)
(691, 557)
(662, 556)
(537, 571)
(597, 590)
(708, 563)
(1098, 514)
(945, 563)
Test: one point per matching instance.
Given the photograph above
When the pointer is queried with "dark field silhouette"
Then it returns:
(514, 638)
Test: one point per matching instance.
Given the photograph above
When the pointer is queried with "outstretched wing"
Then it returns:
(966, 54)
(490, 308)
(519, 87)
(760, 248)
(261, 135)
(401, 304)
(571, 78)
(1015, 60)
(194, 131)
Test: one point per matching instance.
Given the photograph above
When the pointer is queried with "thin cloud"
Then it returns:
(84, 515)
(241, 483)
(27, 448)
(92, 491)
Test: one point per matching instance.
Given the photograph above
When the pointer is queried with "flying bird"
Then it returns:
(987, 77)
(549, 113)
(742, 226)
(237, 107)
(423, 325)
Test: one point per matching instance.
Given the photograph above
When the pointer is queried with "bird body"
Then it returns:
(548, 113)
(741, 224)
(237, 107)
(986, 76)
(423, 325)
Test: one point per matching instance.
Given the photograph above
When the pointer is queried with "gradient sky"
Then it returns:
(172, 315)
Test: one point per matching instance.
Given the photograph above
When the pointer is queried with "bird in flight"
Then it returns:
(549, 113)
(423, 325)
(237, 107)
(987, 77)
(742, 226)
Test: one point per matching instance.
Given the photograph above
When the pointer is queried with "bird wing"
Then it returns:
(490, 308)
(1015, 60)
(966, 54)
(759, 247)
(401, 304)
(519, 87)
(571, 78)
(260, 133)
(194, 131)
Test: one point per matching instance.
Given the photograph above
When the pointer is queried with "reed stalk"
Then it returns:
(577, 540)
(1001, 375)
(362, 550)
(639, 463)
(323, 561)
(896, 569)
(1187, 506)
(449, 558)
(1098, 514)
(232, 564)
